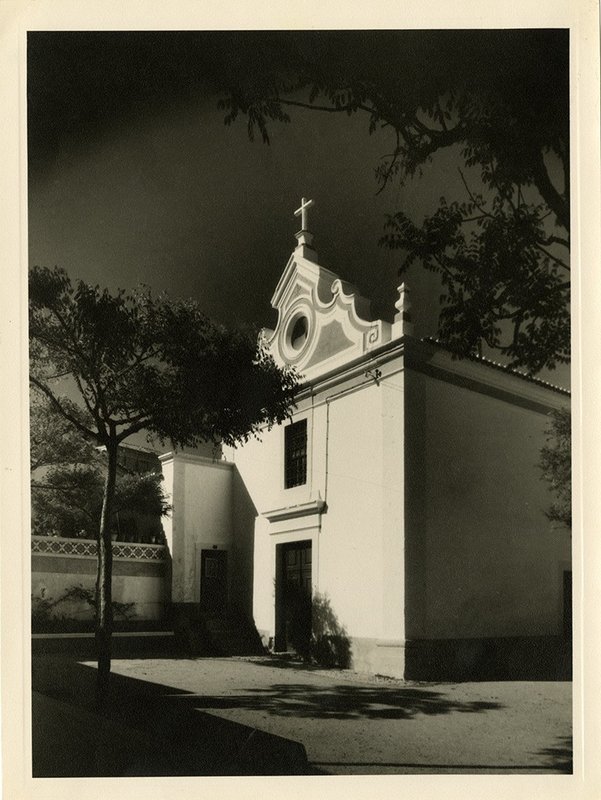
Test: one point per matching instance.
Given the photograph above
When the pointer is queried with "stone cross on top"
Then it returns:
(302, 212)
(303, 237)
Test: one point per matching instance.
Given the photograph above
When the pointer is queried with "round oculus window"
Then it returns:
(299, 330)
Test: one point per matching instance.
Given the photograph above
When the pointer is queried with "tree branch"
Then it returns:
(87, 432)
(478, 205)
(138, 426)
(140, 358)
(556, 202)
(387, 175)
(75, 348)
(330, 109)
(557, 260)
(92, 409)
(132, 420)
(556, 240)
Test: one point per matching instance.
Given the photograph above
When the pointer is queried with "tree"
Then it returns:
(500, 101)
(142, 363)
(68, 476)
(52, 440)
(556, 466)
(67, 500)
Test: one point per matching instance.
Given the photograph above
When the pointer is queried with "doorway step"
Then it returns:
(219, 633)
(233, 635)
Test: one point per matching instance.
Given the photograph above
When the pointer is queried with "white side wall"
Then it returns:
(483, 560)
(147, 593)
(140, 581)
(201, 492)
(350, 547)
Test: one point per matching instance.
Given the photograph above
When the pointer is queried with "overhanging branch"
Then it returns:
(55, 402)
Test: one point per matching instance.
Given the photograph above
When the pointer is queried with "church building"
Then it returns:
(396, 523)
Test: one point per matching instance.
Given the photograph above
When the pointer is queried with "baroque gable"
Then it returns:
(323, 321)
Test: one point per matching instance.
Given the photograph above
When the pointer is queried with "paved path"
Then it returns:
(352, 723)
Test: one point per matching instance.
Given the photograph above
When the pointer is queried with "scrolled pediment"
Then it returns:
(323, 321)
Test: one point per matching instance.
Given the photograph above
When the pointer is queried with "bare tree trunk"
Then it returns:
(104, 596)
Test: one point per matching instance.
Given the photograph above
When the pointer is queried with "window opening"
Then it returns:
(295, 447)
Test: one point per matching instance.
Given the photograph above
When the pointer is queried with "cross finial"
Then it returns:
(302, 212)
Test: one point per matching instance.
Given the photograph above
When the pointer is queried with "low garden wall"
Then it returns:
(63, 578)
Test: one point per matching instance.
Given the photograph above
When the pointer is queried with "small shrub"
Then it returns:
(330, 645)
(41, 610)
(45, 619)
(125, 610)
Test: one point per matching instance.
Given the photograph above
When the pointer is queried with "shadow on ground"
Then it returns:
(341, 701)
(327, 701)
(142, 731)
(169, 731)
(560, 756)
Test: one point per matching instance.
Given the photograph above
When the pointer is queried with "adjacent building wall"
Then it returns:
(140, 576)
(483, 560)
(201, 493)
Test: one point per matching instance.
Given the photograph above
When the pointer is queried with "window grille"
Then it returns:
(295, 447)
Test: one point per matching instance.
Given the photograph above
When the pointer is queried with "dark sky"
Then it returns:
(133, 176)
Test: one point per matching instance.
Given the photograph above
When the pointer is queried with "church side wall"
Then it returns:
(257, 482)
(264, 581)
(391, 647)
(242, 546)
(361, 545)
(483, 561)
(350, 546)
(355, 434)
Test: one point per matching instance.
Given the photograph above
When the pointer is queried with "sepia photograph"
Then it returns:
(300, 343)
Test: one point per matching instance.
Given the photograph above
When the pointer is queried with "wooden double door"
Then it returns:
(293, 597)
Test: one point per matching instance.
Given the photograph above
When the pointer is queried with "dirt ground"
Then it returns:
(353, 723)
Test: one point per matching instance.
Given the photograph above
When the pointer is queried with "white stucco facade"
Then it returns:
(201, 491)
(419, 519)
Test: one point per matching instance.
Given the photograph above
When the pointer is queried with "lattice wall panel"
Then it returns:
(55, 545)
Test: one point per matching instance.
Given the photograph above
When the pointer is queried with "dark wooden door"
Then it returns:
(213, 579)
(293, 597)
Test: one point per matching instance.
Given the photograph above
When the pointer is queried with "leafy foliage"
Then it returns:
(556, 466)
(499, 101)
(141, 363)
(45, 615)
(87, 596)
(68, 478)
(52, 440)
(67, 501)
(330, 643)
(503, 287)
